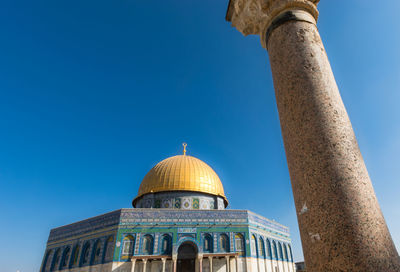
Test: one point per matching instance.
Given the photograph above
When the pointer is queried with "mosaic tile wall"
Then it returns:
(102, 239)
(181, 200)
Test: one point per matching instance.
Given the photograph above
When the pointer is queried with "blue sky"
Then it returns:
(94, 93)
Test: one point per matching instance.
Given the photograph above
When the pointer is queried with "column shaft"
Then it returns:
(133, 265)
(258, 264)
(201, 264)
(266, 264)
(144, 265)
(174, 265)
(272, 262)
(227, 264)
(341, 224)
(163, 264)
(237, 266)
(210, 260)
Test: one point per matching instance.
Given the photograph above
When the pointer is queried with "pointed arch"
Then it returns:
(47, 262)
(239, 243)
(253, 245)
(285, 253)
(275, 250)
(261, 247)
(108, 251)
(269, 250)
(75, 256)
(127, 245)
(56, 259)
(166, 244)
(224, 242)
(290, 253)
(148, 244)
(96, 253)
(85, 254)
(280, 251)
(65, 258)
(208, 243)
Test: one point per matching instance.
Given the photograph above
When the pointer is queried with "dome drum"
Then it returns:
(180, 200)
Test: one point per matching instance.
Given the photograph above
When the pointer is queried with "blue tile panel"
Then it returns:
(85, 226)
(260, 220)
(137, 217)
(165, 216)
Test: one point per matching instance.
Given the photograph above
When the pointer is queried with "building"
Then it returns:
(179, 223)
(300, 267)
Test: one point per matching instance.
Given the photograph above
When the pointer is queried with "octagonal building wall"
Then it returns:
(126, 240)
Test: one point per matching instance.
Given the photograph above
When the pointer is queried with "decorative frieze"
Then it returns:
(181, 200)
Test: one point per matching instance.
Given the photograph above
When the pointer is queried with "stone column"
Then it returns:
(227, 264)
(144, 264)
(164, 260)
(210, 260)
(266, 264)
(341, 224)
(174, 259)
(133, 261)
(200, 263)
(272, 260)
(237, 265)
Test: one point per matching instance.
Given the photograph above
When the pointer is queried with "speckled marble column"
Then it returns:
(341, 225)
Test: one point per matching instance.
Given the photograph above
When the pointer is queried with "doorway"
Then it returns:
(187, 258)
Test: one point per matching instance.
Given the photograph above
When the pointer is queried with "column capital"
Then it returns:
(256, 16)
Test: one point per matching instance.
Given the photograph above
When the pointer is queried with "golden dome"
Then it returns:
(181, 173)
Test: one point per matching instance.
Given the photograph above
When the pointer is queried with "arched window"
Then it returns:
(261, 249)
(280, 251)
(275, 250)
(166, 244)
(65, 257)
(208, 243)
(290, 253)
(109, 249)
(224, 243)
(285, 253)
(253, 245)
(47, 262)
(239, 242)
(85, 254)
(127, 245)
(269, 250)
(75, 256)
(56, 260)
(147, 245)
(96, 257)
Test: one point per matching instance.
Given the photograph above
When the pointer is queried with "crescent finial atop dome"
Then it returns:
(184, 148)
